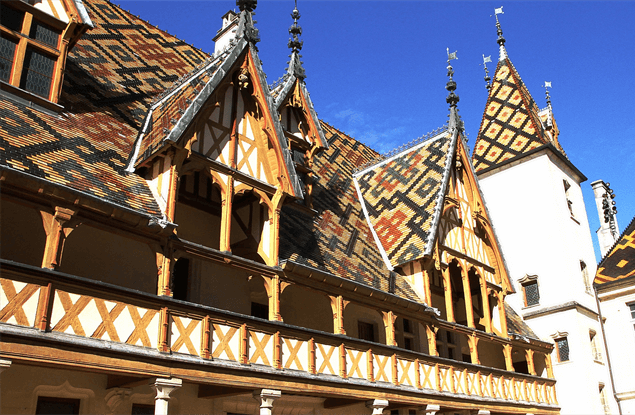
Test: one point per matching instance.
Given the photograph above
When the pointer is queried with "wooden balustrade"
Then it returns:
(77, 306)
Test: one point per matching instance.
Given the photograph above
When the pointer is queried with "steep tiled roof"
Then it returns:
(516, 325)
(401, 193)
(112, 75)
(620, 262)
(338, 239)
(511, 125)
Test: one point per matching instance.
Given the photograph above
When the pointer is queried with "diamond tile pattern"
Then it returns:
(510, 126)
(401, 195)
(338, 239)
(112, 76)
(620, 262)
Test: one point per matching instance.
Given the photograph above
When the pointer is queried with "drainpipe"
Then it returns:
(606, 347)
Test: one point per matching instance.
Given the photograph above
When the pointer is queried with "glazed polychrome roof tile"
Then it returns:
(401, 193)
(511, 125)
(112, 76)
(338, 239)
(620, 262)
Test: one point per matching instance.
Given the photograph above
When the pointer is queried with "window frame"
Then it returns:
(24, 42)
(558, 349)
(76, 402)
(526, 281)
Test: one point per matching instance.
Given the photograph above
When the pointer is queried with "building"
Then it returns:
(532, 189)
(615, 292)
(180, 237)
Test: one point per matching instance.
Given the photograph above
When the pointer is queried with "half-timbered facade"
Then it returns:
(180, 237)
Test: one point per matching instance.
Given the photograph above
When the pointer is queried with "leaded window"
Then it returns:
(532, 295)
(563, 349)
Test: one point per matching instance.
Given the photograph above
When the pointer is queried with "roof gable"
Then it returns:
(402, 195)
(511, 125)
(620, 262)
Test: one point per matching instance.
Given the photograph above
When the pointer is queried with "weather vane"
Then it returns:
(452, 98)
(547, 85)
(487, 78)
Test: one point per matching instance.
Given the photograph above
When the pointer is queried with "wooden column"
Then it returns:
(467, 293)
(165, 263)
(274, 250)
(502, 313)
(486, 313)
(447, 290)
(426, 284)
(473, 344)
(337, 305)
(272, 285)
(57, 227)
(549, 366)
(431, 334)
(529, 354)
(507, 352)
(226, 217)
(389, 324)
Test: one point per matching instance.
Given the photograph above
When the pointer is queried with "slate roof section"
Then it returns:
(338, 239)
(620, 261)
(511, 126)
(112, 75)
(516, 325)
(401, 195)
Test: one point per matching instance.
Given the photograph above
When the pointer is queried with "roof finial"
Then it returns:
(247, 5)
(547, 85)
(487, 77)
(452, 98)
(502, 54)
(246, 28)
(295, 44)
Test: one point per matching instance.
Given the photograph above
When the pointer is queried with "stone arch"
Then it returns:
(358, 318)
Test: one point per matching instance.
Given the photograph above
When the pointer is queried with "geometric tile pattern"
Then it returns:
(401, 195)
(112, 75)
(620, 262)
(510, 125)
(337, 239)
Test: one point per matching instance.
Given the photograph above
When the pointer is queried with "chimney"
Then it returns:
(609, 232)
(227, 32)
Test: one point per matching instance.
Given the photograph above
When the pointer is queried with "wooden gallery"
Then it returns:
(178, 236)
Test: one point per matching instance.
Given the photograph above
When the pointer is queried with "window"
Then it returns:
(532, 296)
(48, 405)
(562, 345)
(366, 331)
(567, 196)
(140, 409)
(447, 345)
(603, 401)
(595, 350)
(585, 277)
(30, 50)
(632, 308)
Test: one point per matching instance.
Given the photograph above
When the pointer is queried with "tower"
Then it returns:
(532, 191)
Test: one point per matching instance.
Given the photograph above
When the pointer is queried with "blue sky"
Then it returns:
(377, 69)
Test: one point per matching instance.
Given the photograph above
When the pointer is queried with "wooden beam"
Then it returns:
(332, 403)
(216, 391)
(121, 381)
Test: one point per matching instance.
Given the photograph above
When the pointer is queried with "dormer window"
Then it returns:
(31, 55)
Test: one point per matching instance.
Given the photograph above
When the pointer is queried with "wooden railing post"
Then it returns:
(343, 361)
(45, 307)
(207, 337)
(164, 330)
(370, 366)
(312, 358)
(244, 345)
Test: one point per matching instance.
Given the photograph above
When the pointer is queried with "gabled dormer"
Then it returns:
(214, 153)
(428, 218)
(36, 37)
(297, 115)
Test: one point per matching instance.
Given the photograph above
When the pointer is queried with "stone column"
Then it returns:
(164, 388)
(483, 412)
(377, 405)
(432, 409)
(266, 398)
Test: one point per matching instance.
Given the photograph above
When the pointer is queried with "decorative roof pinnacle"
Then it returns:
(246, 28)
(547, 85)
(295, 44)
(487, 77)
(452, 98)
(502, 54)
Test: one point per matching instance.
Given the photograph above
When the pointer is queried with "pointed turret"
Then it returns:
(511, 125)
